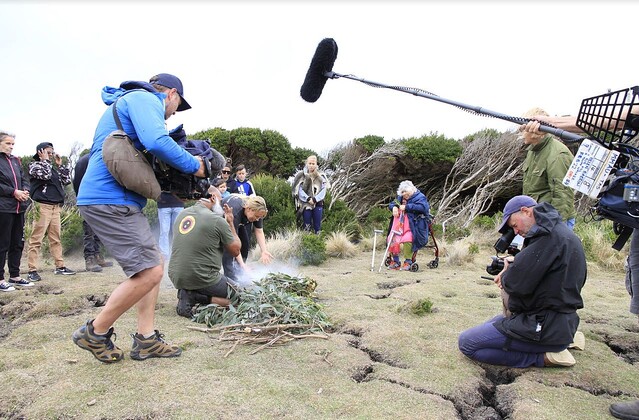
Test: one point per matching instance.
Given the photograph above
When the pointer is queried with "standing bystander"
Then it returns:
(169, 207)
(47, 189)
(240, 184)
(309, 190)
(546, 164)
(14, 201)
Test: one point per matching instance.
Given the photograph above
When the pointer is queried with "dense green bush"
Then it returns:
(433, 148)
(370, 142)
(456, 232)
(378, 218)
(279, 200)
(265, 151)
(485, 222)
(340, 218)
(312, 250)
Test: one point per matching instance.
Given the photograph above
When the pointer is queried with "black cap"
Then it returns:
(172, 82)
(42, 146)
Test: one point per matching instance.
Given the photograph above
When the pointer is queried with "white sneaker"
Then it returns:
(20, 282)
(6, 287)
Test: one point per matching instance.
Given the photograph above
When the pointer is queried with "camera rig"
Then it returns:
(188, 186)
(606, 166)
(503, 245)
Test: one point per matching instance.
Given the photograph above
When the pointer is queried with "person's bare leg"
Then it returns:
(126, 295)
(146, 308)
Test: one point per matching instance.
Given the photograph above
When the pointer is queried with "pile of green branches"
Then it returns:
(276, 309)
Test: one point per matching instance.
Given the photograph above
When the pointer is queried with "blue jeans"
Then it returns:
(485, 343)
(571, 223)
(314, 216)
(167, 217)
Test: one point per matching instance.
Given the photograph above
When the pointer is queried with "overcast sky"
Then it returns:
(243, 62)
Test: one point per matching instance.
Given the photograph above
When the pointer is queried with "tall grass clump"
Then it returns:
(597, 239)
(284, 245)
(463, 251)
(339, 246)
(366, 243)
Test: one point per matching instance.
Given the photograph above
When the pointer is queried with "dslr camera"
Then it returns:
(506, 245)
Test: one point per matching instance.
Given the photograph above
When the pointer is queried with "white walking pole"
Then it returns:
(393, 233)
(374, 248)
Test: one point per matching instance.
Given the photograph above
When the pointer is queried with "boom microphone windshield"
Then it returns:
(321, 69)
(321, 64)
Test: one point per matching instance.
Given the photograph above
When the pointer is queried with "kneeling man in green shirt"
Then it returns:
(200, 235)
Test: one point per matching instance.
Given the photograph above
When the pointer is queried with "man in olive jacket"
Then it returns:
(546, 164)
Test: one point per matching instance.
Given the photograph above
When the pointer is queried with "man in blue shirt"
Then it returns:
(115, 214)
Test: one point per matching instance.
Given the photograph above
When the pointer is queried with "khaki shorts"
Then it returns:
(126, 234)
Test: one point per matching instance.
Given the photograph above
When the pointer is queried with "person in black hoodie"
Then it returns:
(542, 288)
(47, 189)
(14, 201)
(93, 258)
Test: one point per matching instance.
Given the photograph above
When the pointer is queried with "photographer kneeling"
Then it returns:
(202, 233)
(543, 285)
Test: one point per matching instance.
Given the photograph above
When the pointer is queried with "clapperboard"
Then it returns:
(590, 168)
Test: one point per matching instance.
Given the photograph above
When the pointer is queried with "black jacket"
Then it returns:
(544, 282)
(11, 178)
(47, 182)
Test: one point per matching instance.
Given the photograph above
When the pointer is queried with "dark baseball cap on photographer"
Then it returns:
(513, 206)
(42, 146)
(172, 82)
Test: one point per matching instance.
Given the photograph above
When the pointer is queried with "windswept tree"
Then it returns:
(488, 171)
(365, 172)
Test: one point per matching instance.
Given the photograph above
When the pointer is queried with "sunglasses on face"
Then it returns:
(226, 172)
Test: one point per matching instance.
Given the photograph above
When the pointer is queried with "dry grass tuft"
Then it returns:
(339, 246)
(463, 251)
(366, 244)
(597, 241)
(283, 245)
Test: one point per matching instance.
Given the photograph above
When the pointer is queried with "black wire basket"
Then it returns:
(607, 118)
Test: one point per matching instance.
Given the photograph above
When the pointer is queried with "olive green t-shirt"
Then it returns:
(199, 237)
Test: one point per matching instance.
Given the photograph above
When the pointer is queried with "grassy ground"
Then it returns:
(380, 361)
